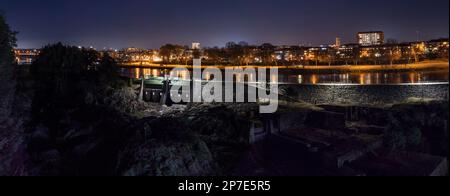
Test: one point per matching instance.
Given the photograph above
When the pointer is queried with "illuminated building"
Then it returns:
(438, 48)
(195, 46)
(25, 56)
(138, 55)
(348, 51)
(337, 45)
(371, 38)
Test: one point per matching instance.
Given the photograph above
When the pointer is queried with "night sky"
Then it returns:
(151, 23)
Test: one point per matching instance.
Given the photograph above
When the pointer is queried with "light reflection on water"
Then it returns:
(369, 78)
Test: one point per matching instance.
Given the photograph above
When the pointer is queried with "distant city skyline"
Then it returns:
(152, 23)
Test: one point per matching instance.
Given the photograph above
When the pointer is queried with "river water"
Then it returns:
(342, 88)
(289, 77)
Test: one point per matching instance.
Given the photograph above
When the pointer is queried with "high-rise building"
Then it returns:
(371, 38)
(338, 43)
(195, 46)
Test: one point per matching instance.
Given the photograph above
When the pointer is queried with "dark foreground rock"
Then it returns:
(419, 126)
(164, 147)
(205, 140)
(15, 102)
(87, 143)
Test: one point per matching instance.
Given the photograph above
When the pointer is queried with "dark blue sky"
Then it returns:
(151, 23)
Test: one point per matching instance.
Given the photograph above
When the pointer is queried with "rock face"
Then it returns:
(13, 154)
(420, 126)
(14, 113)
(125, 101)
(88, 138)
(224, 128)
(83, 145)
(205, 140)
(164, 147)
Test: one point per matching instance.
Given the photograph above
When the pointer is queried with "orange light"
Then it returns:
(314, 79)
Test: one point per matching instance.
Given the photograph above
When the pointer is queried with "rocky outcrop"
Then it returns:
(165, 147)
(123, 100)
(204, 140)
(13, 155)
(419, 126)
(86, 143)
(126, 101)
(15, 107)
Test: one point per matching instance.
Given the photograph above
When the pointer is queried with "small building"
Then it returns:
(25, 56)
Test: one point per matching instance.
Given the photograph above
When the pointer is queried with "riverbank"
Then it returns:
(427, 65)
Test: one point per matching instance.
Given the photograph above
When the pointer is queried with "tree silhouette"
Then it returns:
(7, 43)
(64, 76)
(170, 51)
(267, 52)
(215, 55)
